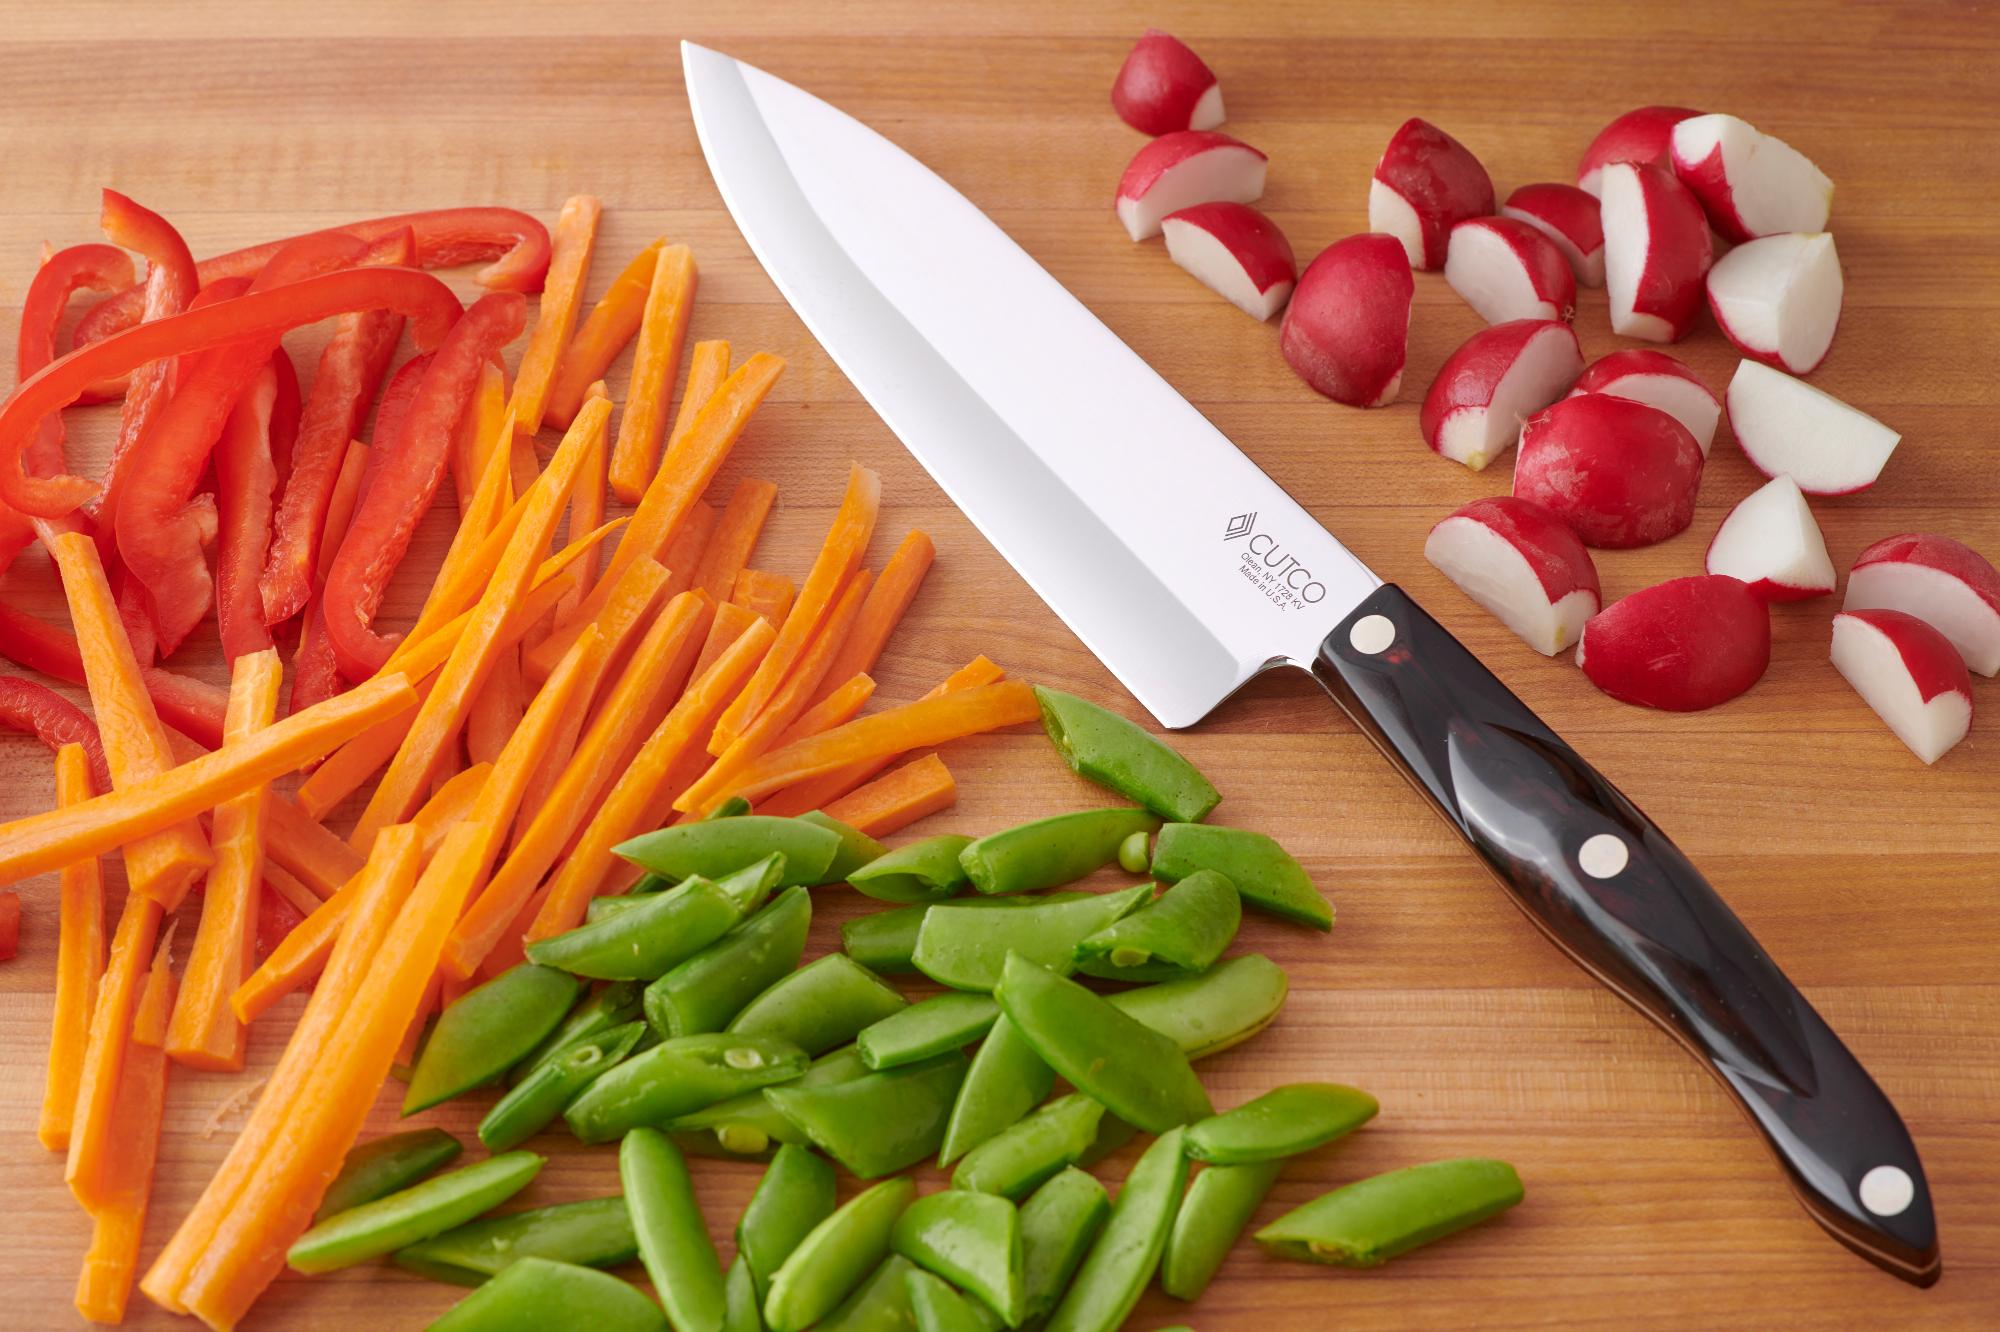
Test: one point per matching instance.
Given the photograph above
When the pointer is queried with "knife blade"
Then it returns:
(1187, 570)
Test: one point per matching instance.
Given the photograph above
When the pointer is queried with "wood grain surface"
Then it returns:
(1871, 879)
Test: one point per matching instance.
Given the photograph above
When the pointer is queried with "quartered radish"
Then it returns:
(1644, 135)
(1236, 252)
(1772, 542)
(1751, 184)
(1521, 563)
(1163, 86)
(1681, 646)
(1182, 169)
(1497, 379)
(1426, 183)
(1506, 269)
(1656, 252)
(1347, 329)
(1618, 472)
(1569, 217)
(1789, 428)
(1945, 583)
(1909, 673)
(1778, 298)
(1658, 380)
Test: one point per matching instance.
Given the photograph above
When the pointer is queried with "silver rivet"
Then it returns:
(1372, 634)
(1887, 1190)
(1602, 856)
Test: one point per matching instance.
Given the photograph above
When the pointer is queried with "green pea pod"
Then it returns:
(673, 1238)
(881, 1303)
(1059, 1223)
(705, 991)
(1263, 873)
(594, 1233)
(535, 1295)
(379, 1168)
(821, 1005)
(534, 1103)
(925, 871)
(1051, 851)
(733, 807)
(740, 1311)
(966, 949)
(1116, 1060)
(942, 1022)
(1181, 933)
(606, 1006)
(412, 1214)
(1223, 1006)
(648, 940)
(836, 1256)
(1122, 1261)
(1218, 1205)
(752, 886)
(1016, 1161)
(1124, 757)
(972, 1240)
(887, 940)
(796, 1194)
(747, 1125)
(939, 1308)
(1367, 1223)
(1112, 1133)
(713, 848)
(679, 1076)
(1282, 1122)
(488, 1031)
(857, 848)
(1007, 1079)
(880, 1123)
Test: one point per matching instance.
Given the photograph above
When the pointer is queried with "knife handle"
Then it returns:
(1608, 887)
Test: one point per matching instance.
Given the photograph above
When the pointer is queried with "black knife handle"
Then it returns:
(1609, 889)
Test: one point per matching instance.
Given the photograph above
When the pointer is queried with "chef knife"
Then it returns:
(1187, 570)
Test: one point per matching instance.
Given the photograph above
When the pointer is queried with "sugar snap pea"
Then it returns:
(1122, 1261)
(1366, 1223)
(740, 1311)
(1218, 1205)
(965, 949)
(882, 1122)
(857, 848)
(679, 1076)
(796, 1194)
(939, 1308)
(1112, 1133)
(535, 1295)
(713, 848)
(733, 807)
(703, 992)
(489, 1030)
(646, 941)
(835, 1256)
(534, 1102)
(1267, 877)
(1124, 757)
(607, 1006)
(1047, 852)
(949, 1021)
(1059, 1223)
(747, 1125)
(673, 1238)
(881, 1303)
(821, 1005)
(1005, 1081)
(412, 1214)
(1180, 933)
(972, 1240)
(925, 871)
(596, 1232)
(1282, 1122)
(1223, 1006)
(886, 940)
(1015, 1161)
(385, 1165)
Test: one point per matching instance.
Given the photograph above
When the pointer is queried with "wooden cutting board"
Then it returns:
(1870, 878)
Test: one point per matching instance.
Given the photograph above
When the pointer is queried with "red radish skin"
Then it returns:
(1751, 184)
(1786, 427)
(1909, 673)
(1495, 380)
(1680, 646)
(1520, 562)
(1656, 252)
(1163, 86)
(1778, 299)
(1943, 582)
(1772, 542)
(1568, 216)
(1236, 252)
(1620, 473)
(1180, 170)
(1644, 135)
(1658, 380)
(1347, 329)
(1426, 183)
(1507, 270)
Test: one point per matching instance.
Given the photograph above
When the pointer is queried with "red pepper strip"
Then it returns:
(391, 411)
(192, 707)
(95, 266)
(408, 465)
(246, 482)
(37, 710)
(285, 412)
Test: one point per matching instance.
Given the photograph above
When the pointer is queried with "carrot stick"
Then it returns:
(451, 803)
(728, 550)
(189, 705)
(204, 1032)
(286, 888)
(586, 510)
(898, 798)
(164, 866)
(655, 361)
(573, 242)
(90, 1169)
(841, 705)
(728, 625)
(887, 601)
(610, 325)
(294, 844)
(455, 585)
(496, 709)
(477, 428)
(684, 551)
(340, 505)
(768, 594)
(79, 962)
(708, 366)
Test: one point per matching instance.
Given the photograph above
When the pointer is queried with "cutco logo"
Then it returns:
(1270, 568)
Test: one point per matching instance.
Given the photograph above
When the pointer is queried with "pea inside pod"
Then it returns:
(646, 941)
(605, 1007)
(1367, 1223)
(835, 1256)
(1218, 1205)
(705, 991)
(1052, 851)
(1266, 876)
(1005, 1081)
(1182, 932)
(942, 1022)
(714, 848)
(1124, 757)
(882, 1122)
(1119, 1265)
(596, 1232)
(415, 1213)
(821, 1005)
(535, 1295)
(1059, 1223)
(967, 949)
(1223, 1006)
(925, 871)
(857, 848)
(489, 1030)
(796, 1194)
(387, 1164)
(1282, 1122)
(533, 1103)
(1019, 1158)
(679, 1076)
(972, 1240)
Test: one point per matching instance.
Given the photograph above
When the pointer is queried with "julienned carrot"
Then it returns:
(451, 803)
(728, 625)
(163, 866)
(293, 843)
(285, 890)
(586, 510)
(768, 594)
(838, 708)
(708, 366)
(655, 362)
(574, 240)
(188, 705)
(731, 623)
(79, 962)
(204, 1032)
(897, 798)
(478, 430)
(480, 510)
(846, 541)
(496, 709)
(735, 537)
(684, 551)
(91, 1168)
(602, 335)
(887, 601)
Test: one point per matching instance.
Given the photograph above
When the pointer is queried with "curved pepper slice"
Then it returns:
(35, 709)
(246, 483)
(92, 267)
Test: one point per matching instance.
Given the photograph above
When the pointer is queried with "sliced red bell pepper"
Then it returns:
(406, 467)
(37, 710)
(96, 267)
(246, 484)
(192, 707)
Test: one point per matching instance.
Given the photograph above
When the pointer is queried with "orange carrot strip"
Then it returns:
(899, 798)
(728, 550)
(296, 848)
(496, 709)
(523, 462)
(728, 625)
(655, 361)
(611, 324)
(684, 551)
(478, 429)
(840, 706)
(340, 506)
(708, 366)
(79, 962)
(887, 601)
(162, 867)
(451, 803)
(768, 594)
(204, 1032)
(574, 240)
(455, 584)
(586, 511)
(90, 1169)
(288, 887)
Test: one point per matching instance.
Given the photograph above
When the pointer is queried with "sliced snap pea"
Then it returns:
(1047, 852)
(1118, 1061)
(740, 1311)
(706, 990)
(1267, 877)
(925, 871)
(1223, 1006)
(1015, 1161)
(796, 1194)
(1059, 1223)
(1218, 1205)
(972, 1240)
(880, 1123)
(835, 1256)
(606, 1006)
(596, 1232)
(1367, 1223)
(747, 1125)
(734, 807)
(1122, 1261)
(886, 940)
(379, 1168)
(1180, 933)
(942, 1022)
(881, 1303)
(966, 949)
(1123, 756)
(673, 1237)
(752, 886)
(679, 1076)
(488, 1031)
(536, 1295)
(939, 1308)
(1112, 1133)
(1282, 1122)
(1007, 1079)
(713, 848)
(533, 1104)
(857, 848)
(646, 941)
(821, 1005)
(412, 1214)
(1135, 854)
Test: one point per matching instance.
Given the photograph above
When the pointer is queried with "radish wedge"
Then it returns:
(1163, 86)
(1495, 380)
(1521, 563)
(1426, 183)
(1568, 216)
(1236, 252)
(1658, 380)
(1506, 269)
(1778, 299)
(1618, 472)
(1347, 329)
(1681, 646)
(1789, 428)
(1909, 673)
(1945, 583)
(1772, 542)
(1180, 170)
(1645, 135)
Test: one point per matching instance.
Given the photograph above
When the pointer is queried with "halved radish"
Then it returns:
(1751, 183)
(1656, 251)
(1505, 269)
(1789, 428)
(1945, 583)
(1772, 542)
(1778, 298)
(1495, 380)
(1518, 561)
(1347, 329)
(1182, 169)
(1658, 380)
(1426, 183)
(1236, 252)
(1620, 473)
(1909, 673)
(1643, 135)
(1681, 646)
(1570, 218)
(1163, 86)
